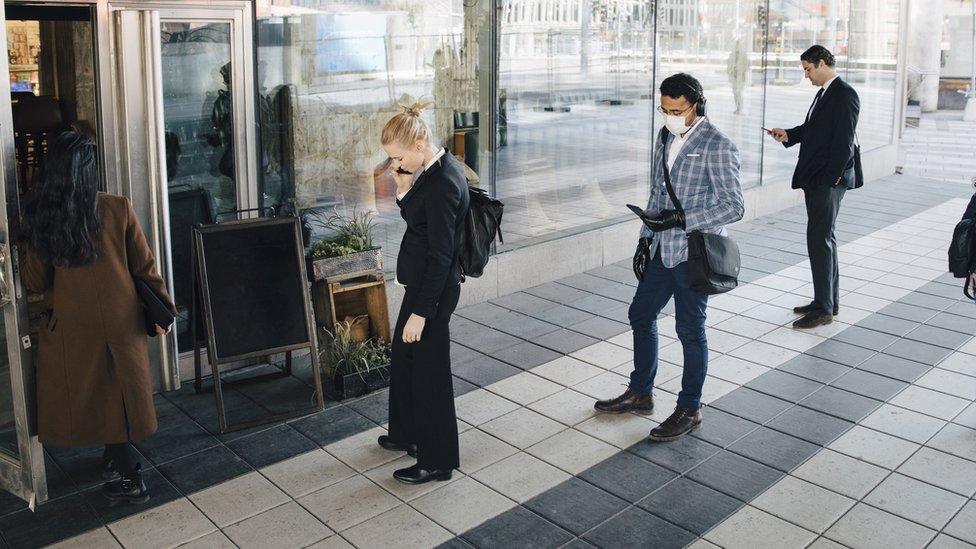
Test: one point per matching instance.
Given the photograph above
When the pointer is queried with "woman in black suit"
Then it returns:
(432, 193)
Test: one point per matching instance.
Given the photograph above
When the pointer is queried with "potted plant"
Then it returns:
(349, 250)
(353, 367)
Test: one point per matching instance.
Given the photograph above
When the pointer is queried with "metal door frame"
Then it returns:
(126, 135)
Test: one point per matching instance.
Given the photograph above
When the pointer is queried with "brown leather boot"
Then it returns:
(627, 402)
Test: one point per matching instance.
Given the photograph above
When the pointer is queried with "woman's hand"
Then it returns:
(403, 181)
(162, 331)
(414, 328)
(972, 281)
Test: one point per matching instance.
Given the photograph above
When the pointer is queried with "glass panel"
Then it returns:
(8, 426)
(330, 76)
(719, 43)
(575, 107)
(794, 27)
(200, 164)
(871, 68)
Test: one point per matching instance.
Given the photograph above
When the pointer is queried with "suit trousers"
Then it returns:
(823, 204)
(421, 386)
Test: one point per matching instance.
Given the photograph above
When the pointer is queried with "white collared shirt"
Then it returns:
(678, 141)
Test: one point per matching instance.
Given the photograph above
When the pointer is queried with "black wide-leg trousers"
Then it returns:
(421, 386)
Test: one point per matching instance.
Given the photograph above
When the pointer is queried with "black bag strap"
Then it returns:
(667, 173)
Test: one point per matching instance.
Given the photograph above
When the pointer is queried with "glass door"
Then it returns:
(186, 134)
(21, 455)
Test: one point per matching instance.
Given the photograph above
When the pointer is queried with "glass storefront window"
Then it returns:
(871, 68)
(575, 106)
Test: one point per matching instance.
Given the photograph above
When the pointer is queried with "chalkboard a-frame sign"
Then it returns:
(255, 299)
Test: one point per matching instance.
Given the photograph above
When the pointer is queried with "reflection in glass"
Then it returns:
(873, 53)
(200, 164)
(575, 104)
(8, 426)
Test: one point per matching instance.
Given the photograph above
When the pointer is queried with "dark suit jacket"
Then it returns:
(827, 139)
(971, 209)
(434, 209)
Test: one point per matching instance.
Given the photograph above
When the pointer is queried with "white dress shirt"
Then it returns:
(675, 144)
(817, 100)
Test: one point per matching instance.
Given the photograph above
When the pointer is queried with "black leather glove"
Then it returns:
(641, 256)
(667, 219)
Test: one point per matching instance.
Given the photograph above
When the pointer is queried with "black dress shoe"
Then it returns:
(416, 475)
(681, 422)
(627, 402)
(806, 309)
(813, 319)
(126, 490)
(109, 470)
(387, 444)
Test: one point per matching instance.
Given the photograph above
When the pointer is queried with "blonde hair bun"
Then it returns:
(417, 108)
(408, 127)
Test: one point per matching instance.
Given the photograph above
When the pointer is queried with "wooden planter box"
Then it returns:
(366, 261)
(355, 385)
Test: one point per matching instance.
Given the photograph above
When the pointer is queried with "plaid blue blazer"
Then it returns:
(705, 176)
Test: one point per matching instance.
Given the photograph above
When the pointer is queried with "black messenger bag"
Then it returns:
(713, 259)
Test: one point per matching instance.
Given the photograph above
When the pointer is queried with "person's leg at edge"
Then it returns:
(402, 431)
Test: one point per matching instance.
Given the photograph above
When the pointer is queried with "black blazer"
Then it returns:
(827, 150)
(434, 209)
(971, 209)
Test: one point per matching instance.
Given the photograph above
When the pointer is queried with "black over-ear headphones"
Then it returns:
(698, 95)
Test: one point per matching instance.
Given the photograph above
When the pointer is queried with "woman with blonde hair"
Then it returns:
(433, 197)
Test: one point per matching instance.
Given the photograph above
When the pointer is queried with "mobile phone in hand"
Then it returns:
(401, 171)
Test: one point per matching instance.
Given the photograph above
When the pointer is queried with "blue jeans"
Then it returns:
(653, 293)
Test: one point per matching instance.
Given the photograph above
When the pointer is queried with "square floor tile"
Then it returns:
(739, 477)
(521, 477)
(941, 337)
(963, 525)
(620, 430)
(784, 385)
(840, 403)
(52, 522)
(957, 440)
(721, 428)
(485, 371)
(627, 476)
(603, 386)
(333, 424)
(348, 503)
(576, 505)
(943, 470)
(930, 402)
(897, 327)
(904, 423)
(690, 505)
(600, 328)
(867, 338)
(735, 370)
(871, 528)
(171, 524)
(949, 382)
(775, 449)
(918, 351)
(810, 425)
(565, 341)
(462, 505)
(478, 407)
(915, 500)
(513, 527)
(840, 473)
(572, 451)
(803, 503)
(361, 452)
(639, 528)
(841, 353)
(400, 527)
(874, 447)
(765, 354)
(679, 456)
(522, 428)
(238, 499)
(751, 405)
(567, 371)
(967, 417)
(796, 340)
(868, 384)
(100, 538)
(962, 363)
(479, 450)
(567, 407)
(271, 446)
(288, 526)
(750, 528)
(204, 469)
(894, 367)
(816, 369)
(308, 472)
(604, 355)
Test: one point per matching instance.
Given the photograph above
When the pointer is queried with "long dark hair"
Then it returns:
(61, 215)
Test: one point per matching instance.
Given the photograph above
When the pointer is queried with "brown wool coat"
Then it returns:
(93, 354)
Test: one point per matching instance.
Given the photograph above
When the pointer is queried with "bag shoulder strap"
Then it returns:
(667, 173)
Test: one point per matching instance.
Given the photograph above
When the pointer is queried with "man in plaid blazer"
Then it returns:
(704, 168)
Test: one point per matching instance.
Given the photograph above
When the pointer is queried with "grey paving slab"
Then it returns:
(908, 312)
(954, 322)
(810, 425)
(678, 456)
(513, 527)
(888, 324)
(690, 505)
(944, 470)
(865, 337)
(840, 403)
(734, 475)
(841, 353)
(775, 449)
(917, 501)
(941, 337)
(526, 355)
(721, 428)
(640, 528)
(628, 476)
(600, 327)
(963, 525)
(485, 371)
(783, 385)
(576, 505)
(751, 405)
(816, 369)
(928, 301)
(894, 367)
(918, 351)
(869, 384)
(871, 528)
(565, 341)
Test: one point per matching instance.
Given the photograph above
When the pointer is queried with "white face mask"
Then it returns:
(676, 124)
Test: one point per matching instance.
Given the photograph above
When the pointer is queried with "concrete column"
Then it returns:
(924, 52)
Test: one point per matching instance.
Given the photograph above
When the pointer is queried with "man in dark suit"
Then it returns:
(825, 171)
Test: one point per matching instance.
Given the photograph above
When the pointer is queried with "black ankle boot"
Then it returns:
(682, 421)
(128, 489)
(109, 470)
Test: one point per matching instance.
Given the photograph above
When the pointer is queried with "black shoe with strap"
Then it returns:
(128, 489)
(807, 309)
(627, 402)
(393, 446)
(681, 422)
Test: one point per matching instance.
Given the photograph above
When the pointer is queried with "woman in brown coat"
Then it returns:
(83, 250)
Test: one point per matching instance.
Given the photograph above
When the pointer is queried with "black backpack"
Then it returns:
(483, 222)
(961, 251)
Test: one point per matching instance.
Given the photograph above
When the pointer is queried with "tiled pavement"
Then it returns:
(859, 434)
